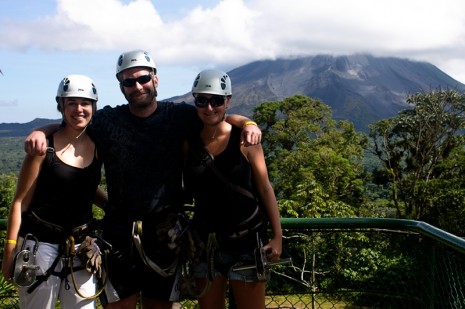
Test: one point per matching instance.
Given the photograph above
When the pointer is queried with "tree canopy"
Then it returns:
(314, 161)
(420, 150)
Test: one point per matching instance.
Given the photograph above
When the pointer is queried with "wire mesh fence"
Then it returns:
(359, 263)
(366, 263)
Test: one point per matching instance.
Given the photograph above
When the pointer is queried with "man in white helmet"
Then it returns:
(140, 144)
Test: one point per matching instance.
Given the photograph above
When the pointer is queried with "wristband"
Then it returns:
(253, 123)
(11, 241)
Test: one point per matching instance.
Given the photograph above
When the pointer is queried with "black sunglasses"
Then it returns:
(131, 82)
(214, 101)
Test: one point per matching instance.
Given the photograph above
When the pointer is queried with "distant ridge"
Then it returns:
(23, 129)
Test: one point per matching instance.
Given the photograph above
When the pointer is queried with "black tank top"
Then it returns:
(217, 207)
(64, 194)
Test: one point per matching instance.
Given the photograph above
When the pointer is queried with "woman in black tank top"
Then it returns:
(54, 196)
(233, 200)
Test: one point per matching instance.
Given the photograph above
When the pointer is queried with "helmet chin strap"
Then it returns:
(155, 92)
(82, 132)
(217, 126)
(75, 138)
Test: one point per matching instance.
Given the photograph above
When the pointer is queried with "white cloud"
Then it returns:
(185, 37)
(235, 31)
(223, 34)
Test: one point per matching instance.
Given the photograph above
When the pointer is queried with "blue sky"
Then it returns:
(41, 41)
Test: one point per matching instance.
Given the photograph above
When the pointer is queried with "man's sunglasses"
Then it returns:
(214, 101)
(131, 82)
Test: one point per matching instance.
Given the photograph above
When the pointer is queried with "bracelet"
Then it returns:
(11, 241)
(253, 123)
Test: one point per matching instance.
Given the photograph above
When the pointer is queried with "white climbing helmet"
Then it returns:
(135, 58)
(212, 82)
(79, 86)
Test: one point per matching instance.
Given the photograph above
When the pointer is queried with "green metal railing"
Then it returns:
(376, 263)
(364, 263)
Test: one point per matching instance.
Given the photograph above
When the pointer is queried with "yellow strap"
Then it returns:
(72, 248)
(247, 123)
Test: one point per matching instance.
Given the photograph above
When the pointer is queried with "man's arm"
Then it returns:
(251, 133)
(36, 143)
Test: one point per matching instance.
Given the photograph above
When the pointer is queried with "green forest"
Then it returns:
(408, 166)
(12, 154)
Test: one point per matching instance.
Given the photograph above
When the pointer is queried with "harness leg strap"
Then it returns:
(47, 274)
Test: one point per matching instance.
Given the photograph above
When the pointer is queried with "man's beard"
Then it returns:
(137, 104)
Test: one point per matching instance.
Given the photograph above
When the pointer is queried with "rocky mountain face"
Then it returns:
(359, 88)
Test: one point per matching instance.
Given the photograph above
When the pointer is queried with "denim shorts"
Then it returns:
(225, 262)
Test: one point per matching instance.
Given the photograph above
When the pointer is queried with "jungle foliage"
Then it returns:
(12, 154)
(314, 162)
(422, 151)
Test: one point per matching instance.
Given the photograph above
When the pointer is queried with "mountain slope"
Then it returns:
(23, 129)
(359, 88)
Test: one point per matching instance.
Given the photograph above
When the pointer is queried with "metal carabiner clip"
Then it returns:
(24, 272)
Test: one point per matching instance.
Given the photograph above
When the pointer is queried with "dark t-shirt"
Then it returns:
(142, 158)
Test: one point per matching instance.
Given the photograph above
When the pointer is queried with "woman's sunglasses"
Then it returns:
(214, 101)
(131, 82)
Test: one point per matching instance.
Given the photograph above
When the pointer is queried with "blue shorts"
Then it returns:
(225, 262)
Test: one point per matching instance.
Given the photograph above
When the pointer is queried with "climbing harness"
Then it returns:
(66, 253)
(255, 221)
(177, 230)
